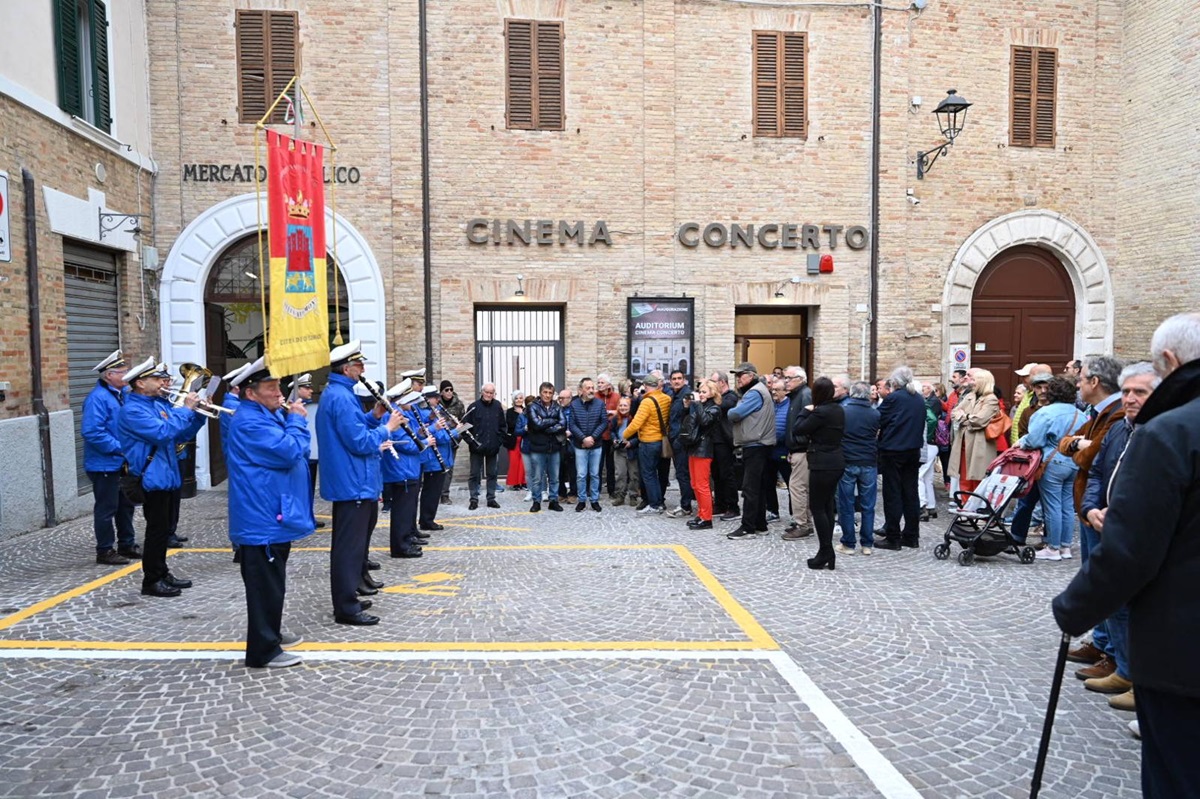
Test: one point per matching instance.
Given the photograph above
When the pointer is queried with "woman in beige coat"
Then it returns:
(971, 452)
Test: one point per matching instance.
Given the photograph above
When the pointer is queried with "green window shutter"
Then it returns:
(101, 99)
(66, 29)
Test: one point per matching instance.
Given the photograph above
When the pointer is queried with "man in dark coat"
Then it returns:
(489, 429)
(901, 438)
(1149, 558)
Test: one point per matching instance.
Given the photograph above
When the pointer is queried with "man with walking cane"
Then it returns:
(1149, 558)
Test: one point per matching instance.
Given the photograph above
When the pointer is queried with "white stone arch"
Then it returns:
(1075, 249)
(185, 273)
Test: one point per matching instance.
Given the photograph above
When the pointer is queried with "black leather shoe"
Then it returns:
(373, 565)
(911, 544)
(237, 555)
(491, 503)
(473, 504)
(365, 604)
(366, 590)
(161, 588)
(555, 506)
(730, 516)
(358, 619)
(433, 526)
(110, 558)
(421, 538)
(133, 553)
(175, 542)
(371, 581)
(182, 538)
(740, 534)
(408, 552)
(887, 543)
(700, 525)
(581, 507)
(176, 582)
(535, 507)
(320, 524)
(596, 507)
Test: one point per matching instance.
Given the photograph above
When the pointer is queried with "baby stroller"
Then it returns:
(978, 524)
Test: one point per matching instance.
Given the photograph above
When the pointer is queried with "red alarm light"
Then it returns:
(826, 264)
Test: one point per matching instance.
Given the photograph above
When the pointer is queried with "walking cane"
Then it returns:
(1044, 746)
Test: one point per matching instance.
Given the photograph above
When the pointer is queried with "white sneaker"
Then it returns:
(772, 517)
(1049, 553)
(842, 549)
(1065, 553)
(677, 513)
(1135, 729)
(529, 496)
(283, 660)
(837, 530)
(867, 550)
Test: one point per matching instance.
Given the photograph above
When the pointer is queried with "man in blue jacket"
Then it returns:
(860, 447)
(350, 442)
(102, 458)
(901, 439)
(587, 422)
(148, 428)
(402, 475)
(436, 461)
(268, 507)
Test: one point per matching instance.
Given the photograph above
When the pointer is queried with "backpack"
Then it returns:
(689, 431)
(941, 436)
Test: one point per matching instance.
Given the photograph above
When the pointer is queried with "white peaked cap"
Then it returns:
(253, 373)
(430, 391)
(229, 378)
(400, 388)
(346, 353)
(419, 374)
(410, 398)
(144, 369)
(113, 361)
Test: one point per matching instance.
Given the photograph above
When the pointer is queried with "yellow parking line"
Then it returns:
(390, 646)
(758, 636)
(494, 527)
(46, 604)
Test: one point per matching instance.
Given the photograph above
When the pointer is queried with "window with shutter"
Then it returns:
(534, 81)
(780, 91)
(81, 44)
(102, 103)
(1032, 113)
(267, 46)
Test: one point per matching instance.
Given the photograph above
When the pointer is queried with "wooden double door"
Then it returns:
(1023, 311)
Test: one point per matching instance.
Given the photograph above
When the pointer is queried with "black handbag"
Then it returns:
(131, 484)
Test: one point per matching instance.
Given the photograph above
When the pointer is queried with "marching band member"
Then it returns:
(403, 476)
(304, 392)
(350, 442)
(148, 428)
(102, 459)
(231, 400)
(268, 471)
(434, 469)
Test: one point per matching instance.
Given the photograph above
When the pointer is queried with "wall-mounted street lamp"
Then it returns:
(110, 222)
(952, 116)
(779, 291)
(520, 286)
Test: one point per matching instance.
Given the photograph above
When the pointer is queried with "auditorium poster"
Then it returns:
(661, 334)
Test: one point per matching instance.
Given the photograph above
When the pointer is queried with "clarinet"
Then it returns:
(453, 422)
(374, 392)
(425, 432)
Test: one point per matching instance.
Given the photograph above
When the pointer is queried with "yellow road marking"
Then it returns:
(758, 636)
(46, 604)
(392, 646)
(494, 527)
(458, 519)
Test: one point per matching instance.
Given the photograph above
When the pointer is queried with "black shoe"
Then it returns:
(373, 565)
(473, 504)
(366, 590)
(729, 516)
(133, 553)
(740, 533)
(700, 525)
(420, 538)
(642, 505)
(445, 500)
(536, 507)
(822, 562)
(359, 619)
(320, 524)
(579, 507)
(408, 552)
(160, 588)
(924, 515)
(176, 582)
(110, 558)
(596, 507)
(555, 506)
(365, 604)
(237, 555)
(179, 537)
(431, 526)
(887, 543)
(175, 542)
(387, 508)
(371, 581)
(491, 503)
(908, 544)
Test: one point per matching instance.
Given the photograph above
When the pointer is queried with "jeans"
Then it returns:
(544, 468)
(1089, 539)
(480, 465)
(1023, 515)
(683, 476)
(649, 454)
(1058, 497)
(111, 504)
(587, 473)
(857, 485)
(900, 469)
(1117, 627)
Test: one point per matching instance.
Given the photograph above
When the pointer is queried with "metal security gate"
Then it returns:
(90, 280)
(518, 348)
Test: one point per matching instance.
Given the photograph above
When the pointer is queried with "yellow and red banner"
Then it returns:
(298, 337)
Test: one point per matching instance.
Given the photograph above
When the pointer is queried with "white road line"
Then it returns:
(879, 770)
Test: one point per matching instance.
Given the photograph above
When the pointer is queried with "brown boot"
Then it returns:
(1103, 667)
(1123, 701)
(1112, 684)
(619, 501)
(1085, 653)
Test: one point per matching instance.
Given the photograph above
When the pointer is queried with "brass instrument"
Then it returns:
(195, 377)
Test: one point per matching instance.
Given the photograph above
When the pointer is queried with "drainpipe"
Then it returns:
(876, 72)
(35, 346)
(426, 240)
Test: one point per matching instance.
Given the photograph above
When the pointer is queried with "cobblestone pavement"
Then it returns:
(575, 654)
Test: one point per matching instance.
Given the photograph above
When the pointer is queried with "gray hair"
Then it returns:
(842, 380)
(1107, 369)
(860, 390)
(798, 371)
(1181, 335)
(902, 379)
(1138, 369)
(604, 376)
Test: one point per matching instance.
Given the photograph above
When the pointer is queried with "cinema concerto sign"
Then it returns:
(773, 235)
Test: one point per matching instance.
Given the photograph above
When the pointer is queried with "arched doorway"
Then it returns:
(233, 327)
(1022, 310)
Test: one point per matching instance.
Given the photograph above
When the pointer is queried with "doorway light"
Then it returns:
(520, 286)
(779, 291)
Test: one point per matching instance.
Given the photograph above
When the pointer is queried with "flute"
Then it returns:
(383, 401)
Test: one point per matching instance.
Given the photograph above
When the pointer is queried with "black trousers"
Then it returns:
(431, 494)
(725, 481)
(664, 476)
(175, 502)
(683, 477)
(483, 467)
(1170, 736)
(402, 526)
(822, 503)
(777, 469)
(353, 521)
(264, 572)
(312, 484)
(901, 500)
(157, 510)
(111, 505)
(754, 487)
(608, 467)
(568, 482)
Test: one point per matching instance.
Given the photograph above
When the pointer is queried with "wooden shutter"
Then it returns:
(1032, 97)
(267, 45)
(780, 87)
(100, 84)
(66, 28)
(534, 74)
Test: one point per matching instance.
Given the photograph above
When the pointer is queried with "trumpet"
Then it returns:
(203, 406)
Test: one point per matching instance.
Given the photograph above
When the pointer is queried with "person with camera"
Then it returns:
(702, 418)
